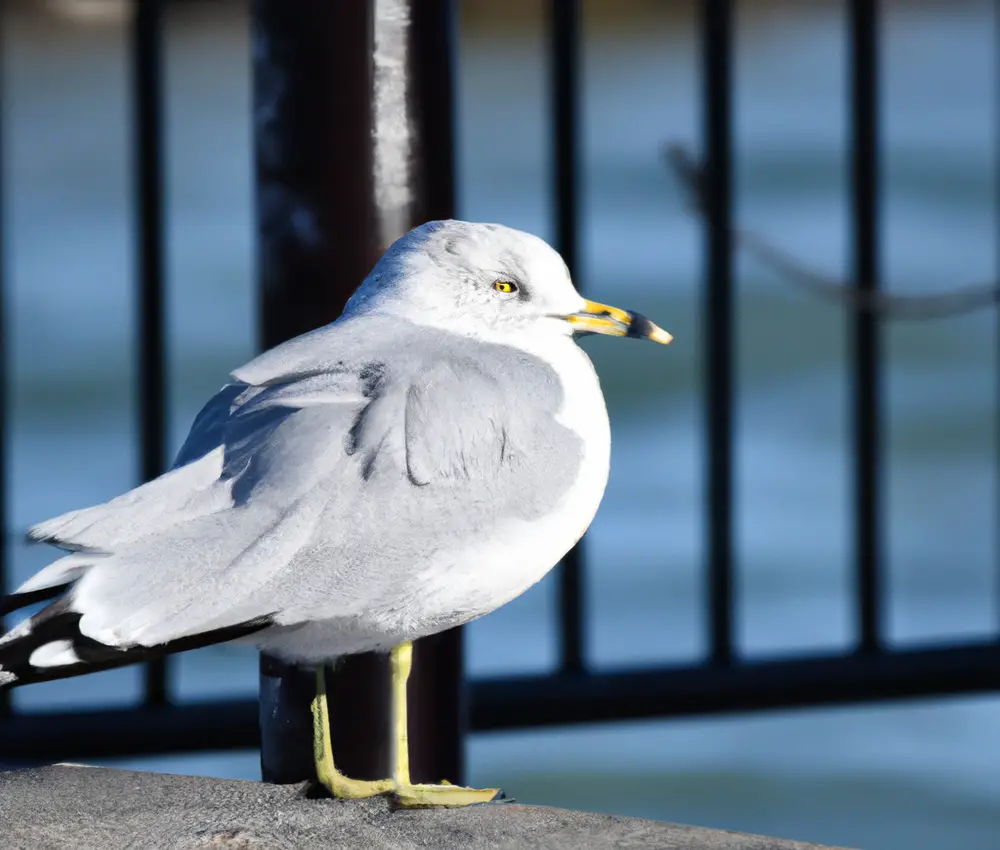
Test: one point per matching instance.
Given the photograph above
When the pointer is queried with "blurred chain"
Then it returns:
(938, 305)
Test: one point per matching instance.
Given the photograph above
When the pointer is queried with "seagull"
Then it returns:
(415, 464)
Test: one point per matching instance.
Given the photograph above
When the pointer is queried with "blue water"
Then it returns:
(916, 776)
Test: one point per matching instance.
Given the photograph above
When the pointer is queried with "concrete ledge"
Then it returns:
(86, 807)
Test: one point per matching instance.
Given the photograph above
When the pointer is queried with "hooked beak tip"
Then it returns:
(643, 328)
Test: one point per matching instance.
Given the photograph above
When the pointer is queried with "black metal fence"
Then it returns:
(574, 693)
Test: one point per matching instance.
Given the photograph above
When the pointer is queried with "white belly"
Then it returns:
(498, 570)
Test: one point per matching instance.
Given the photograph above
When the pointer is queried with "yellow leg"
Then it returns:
(400, 664)
(409, 795)
(331, 778)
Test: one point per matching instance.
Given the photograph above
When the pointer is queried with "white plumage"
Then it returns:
(416, 464)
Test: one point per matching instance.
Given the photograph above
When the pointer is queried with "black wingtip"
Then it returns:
(58, 623)
(16, 601)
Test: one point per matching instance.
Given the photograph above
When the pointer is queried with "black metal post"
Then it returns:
(318, 224)
(866, 379)
(313, 122)
(718, 317)
(147, 118)
(564, 92)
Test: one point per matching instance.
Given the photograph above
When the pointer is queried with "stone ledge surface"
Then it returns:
(69, 806)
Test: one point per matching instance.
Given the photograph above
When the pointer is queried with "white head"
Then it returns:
(486, 280)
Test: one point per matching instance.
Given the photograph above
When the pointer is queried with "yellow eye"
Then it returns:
(505, 286)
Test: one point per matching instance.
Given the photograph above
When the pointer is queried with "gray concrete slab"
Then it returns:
(102, 809)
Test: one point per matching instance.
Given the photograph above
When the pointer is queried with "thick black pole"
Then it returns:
(319, 228)
(313, 122)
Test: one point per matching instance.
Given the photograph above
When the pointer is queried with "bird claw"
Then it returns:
(444, 796)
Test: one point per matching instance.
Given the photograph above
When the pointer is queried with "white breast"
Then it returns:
(523, 552)
(584, 412)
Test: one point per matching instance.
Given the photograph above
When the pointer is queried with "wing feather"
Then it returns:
(455, 426)
(312, 441)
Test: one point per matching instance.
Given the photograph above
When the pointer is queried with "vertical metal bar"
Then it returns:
(718, 317)
(147, 105)
(564, 23)
(5, 704)
(313, 115)
(866, 379)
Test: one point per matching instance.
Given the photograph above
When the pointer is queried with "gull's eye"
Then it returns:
(505, 286)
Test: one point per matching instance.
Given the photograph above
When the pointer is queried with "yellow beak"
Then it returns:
(597, 318)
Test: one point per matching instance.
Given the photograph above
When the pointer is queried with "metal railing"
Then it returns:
(575, 693)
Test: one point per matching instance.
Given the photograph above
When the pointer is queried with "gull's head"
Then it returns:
(487, 280)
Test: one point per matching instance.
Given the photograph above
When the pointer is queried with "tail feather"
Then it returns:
(49, 646)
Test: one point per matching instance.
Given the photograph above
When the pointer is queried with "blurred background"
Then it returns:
(916, 775)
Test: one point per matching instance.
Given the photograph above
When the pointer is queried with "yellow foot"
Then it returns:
(344, 788)
(443, 796)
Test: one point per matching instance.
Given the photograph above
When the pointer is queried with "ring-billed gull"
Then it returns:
(414, 465)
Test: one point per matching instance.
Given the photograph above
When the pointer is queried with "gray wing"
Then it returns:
(296, 488)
